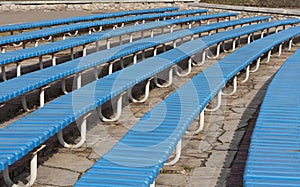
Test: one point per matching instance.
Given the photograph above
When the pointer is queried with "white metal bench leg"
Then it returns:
(201, 124)
(234, 88)
(107, 43)
(63, 86)
(3, 73)
(53, 60)
(97, 46)
(19, 67)
(280, 50)
(84, 51)
(203, 58)
(170, 81)
(269, 56)
(233, 46)
(118, 113)
(2, 49)
(247, 74)
(122, 63)
(147, 89)
(134, 60)
(217, 54)
(188, 71)
(82, 135)
(153, 184)
(24, 103)
(33, 171)
(41, 62)
(131, 38)
(219, 101)
(155, 51)
(110, 68)
(177, 154)
(151, 33)
(78, 80)
(72, 53)
(290, 44)
(36, 43)
(257, 65)
(42, 96)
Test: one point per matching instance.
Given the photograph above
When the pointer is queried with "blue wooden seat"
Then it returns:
(61, 21)
(18, 55)
(273, 158)
(21, 39)
(27, 133)
(29, 82)
(138, 156)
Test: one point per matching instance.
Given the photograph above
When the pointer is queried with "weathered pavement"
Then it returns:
(206, 158)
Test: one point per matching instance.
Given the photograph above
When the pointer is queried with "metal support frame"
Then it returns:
(169, 83)
(234, 88)
(18, 44)
(63, 86)
(3, 50)
(19, 67)
(118, 113)
(53, 60)
(95, 30)
(107, 43)
(177, 154)
(72, 54)
(203, 59)
(70, 34)
(153, 184)
(117, 27)
(33, 170)
(78, 80)
(82, 134)
(233, 45)
(3, 72)
(84, 50)
(200, 124)
(96, 73)
(42, 95)
(269, 56)
(24, 103)
(41, 62)
(247, 74)
(280, 49)
(180, 74)
(147, 89)
(218, 52)
(257, 65)
(219, 102)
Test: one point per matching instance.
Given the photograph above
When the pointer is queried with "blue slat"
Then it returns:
(60, 21)
(274, 156)
(28, 82)
(177, 112)
(6, 40)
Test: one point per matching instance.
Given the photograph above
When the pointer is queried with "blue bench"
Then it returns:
(29, 132)
(18, 55)
(60, 21)
(140, 154)
(20, 85)
(273, 158)
(65, 30)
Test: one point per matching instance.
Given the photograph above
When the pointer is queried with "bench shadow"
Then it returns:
(235, 161)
